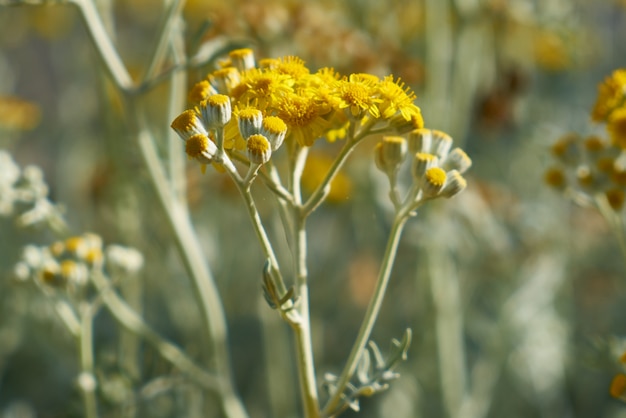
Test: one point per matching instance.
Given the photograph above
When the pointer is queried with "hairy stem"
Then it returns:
(371, 314)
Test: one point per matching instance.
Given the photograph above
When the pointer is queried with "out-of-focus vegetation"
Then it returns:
(515, 293)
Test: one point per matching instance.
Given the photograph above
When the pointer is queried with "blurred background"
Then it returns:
(514, 294)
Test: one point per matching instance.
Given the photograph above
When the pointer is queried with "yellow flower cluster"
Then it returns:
(592, 167)
(285, 93)
(610, 107)
(67, 263)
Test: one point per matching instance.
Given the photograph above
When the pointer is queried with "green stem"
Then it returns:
(371, 314)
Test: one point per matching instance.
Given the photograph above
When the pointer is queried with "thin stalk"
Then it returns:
(259, 229)
(176, 154)
(131, 321)
(302, 330)
(371, 314)
(103, 44)
(276, 345)
(205, 287)
(614, 220)
(165, 31)
(445, 287)
(85, 343)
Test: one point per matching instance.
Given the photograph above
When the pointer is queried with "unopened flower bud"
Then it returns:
(259, 149)
(457, 160)
(274, 130)
(216, 111)
(433, 181)
(226, 78)
(390, 153)
(188, 124)
(442, 142)
(201, 148)
(420, 140)
(249, 120)
(201, 91)
(455, 184)
(242, 59)
(421, 163)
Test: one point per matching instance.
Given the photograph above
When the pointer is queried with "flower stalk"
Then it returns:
(371, 314)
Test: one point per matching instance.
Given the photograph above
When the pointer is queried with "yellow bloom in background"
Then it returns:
(551, 52)
(616, 126)
(18, 114)
(618, 387)
(317, 165)
(611, 94)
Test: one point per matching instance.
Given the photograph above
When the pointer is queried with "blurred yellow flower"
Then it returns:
(610, 95)
(616, 126)
(18, 114)
(317, 166)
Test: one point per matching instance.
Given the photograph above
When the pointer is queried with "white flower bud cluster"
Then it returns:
(24, 194)
(435, 168)
(69, 264)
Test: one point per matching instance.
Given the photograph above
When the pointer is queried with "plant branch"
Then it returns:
(371, 314)
(135, 324)
(103, 44)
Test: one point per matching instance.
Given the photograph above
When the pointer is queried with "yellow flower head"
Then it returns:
(357, 93)
(292, 66)
(262, 88)
(303, 117)
(396, 97)
(610, 95)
